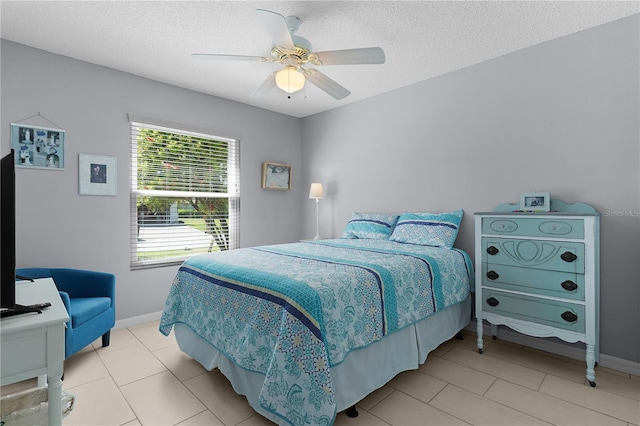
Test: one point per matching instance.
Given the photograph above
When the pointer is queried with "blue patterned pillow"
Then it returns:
(370, 225)
(428, 229)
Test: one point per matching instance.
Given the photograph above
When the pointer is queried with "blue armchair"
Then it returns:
(89, 297)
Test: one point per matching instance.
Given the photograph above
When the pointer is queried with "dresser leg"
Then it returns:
(591, 363)
(480, 331)
(494, 331)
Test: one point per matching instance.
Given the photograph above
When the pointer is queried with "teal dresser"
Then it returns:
(538, 274)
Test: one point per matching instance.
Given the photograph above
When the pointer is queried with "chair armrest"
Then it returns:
(66, 301)
(81, 283)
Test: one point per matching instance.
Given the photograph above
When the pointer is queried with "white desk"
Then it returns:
(32, 344)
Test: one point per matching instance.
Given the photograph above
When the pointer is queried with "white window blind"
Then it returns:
(185, 193)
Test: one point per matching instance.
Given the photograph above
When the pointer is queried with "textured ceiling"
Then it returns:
(421, 39)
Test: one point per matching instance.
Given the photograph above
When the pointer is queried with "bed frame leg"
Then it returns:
(352, 411)
(460, 336)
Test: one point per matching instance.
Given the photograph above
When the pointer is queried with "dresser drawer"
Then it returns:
(566, 285)
(551, 255)
(534, 227)
(564, 315)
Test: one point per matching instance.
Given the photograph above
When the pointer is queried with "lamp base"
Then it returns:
(317, 237)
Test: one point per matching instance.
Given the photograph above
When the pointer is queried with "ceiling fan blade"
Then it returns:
(267, 86)
(365, 55)
(216, 57)
(325, 83)
(276, 26)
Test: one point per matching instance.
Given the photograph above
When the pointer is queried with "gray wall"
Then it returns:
(560, 117)
(57, 227)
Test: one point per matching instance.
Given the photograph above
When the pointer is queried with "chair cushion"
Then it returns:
(84, 309)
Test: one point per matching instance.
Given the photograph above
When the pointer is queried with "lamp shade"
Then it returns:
(290, 79)
(316, 191)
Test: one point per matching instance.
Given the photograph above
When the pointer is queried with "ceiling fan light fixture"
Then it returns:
(290, 79)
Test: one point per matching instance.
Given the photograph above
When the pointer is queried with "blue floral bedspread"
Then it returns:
(292, 311)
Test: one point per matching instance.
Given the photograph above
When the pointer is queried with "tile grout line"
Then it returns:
(182, 383)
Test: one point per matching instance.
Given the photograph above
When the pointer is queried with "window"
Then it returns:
(185, 193)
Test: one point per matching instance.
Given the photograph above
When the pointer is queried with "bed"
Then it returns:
(306, 330)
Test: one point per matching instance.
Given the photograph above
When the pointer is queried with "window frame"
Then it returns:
(137, 122)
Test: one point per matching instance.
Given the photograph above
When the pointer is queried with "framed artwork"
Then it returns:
(276, 176)
(535, 201)
(38, 147)
(97, 174)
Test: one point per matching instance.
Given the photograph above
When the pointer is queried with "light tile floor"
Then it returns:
(142, 378)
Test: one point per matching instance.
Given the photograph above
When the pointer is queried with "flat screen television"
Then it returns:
(8, 231)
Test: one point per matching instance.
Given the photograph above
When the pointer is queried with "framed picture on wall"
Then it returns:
(535, 201)
(97, 174)
(38, 147)
(276, 176)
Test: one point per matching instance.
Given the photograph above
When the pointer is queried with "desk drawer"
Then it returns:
(564, 315)
(551, 255)
(23, 353)
(566, 285)
(534, 227)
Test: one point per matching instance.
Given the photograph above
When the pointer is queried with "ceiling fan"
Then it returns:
(294, 52)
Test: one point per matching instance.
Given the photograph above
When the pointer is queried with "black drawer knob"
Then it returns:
(492, 250)
(569, 316)
(492, 301)
(492, 275)
(569, 285)
(567, 256)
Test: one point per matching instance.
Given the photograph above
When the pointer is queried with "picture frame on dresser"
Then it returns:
(535, 201)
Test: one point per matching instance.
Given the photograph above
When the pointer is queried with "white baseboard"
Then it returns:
(573, 352)
(620, 364)
(138, 320)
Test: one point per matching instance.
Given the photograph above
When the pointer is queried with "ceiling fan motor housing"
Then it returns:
(281, 54)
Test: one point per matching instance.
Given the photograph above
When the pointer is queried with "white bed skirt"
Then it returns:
(363, 370)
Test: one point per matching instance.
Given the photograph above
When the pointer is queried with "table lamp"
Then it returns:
(317, 193)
